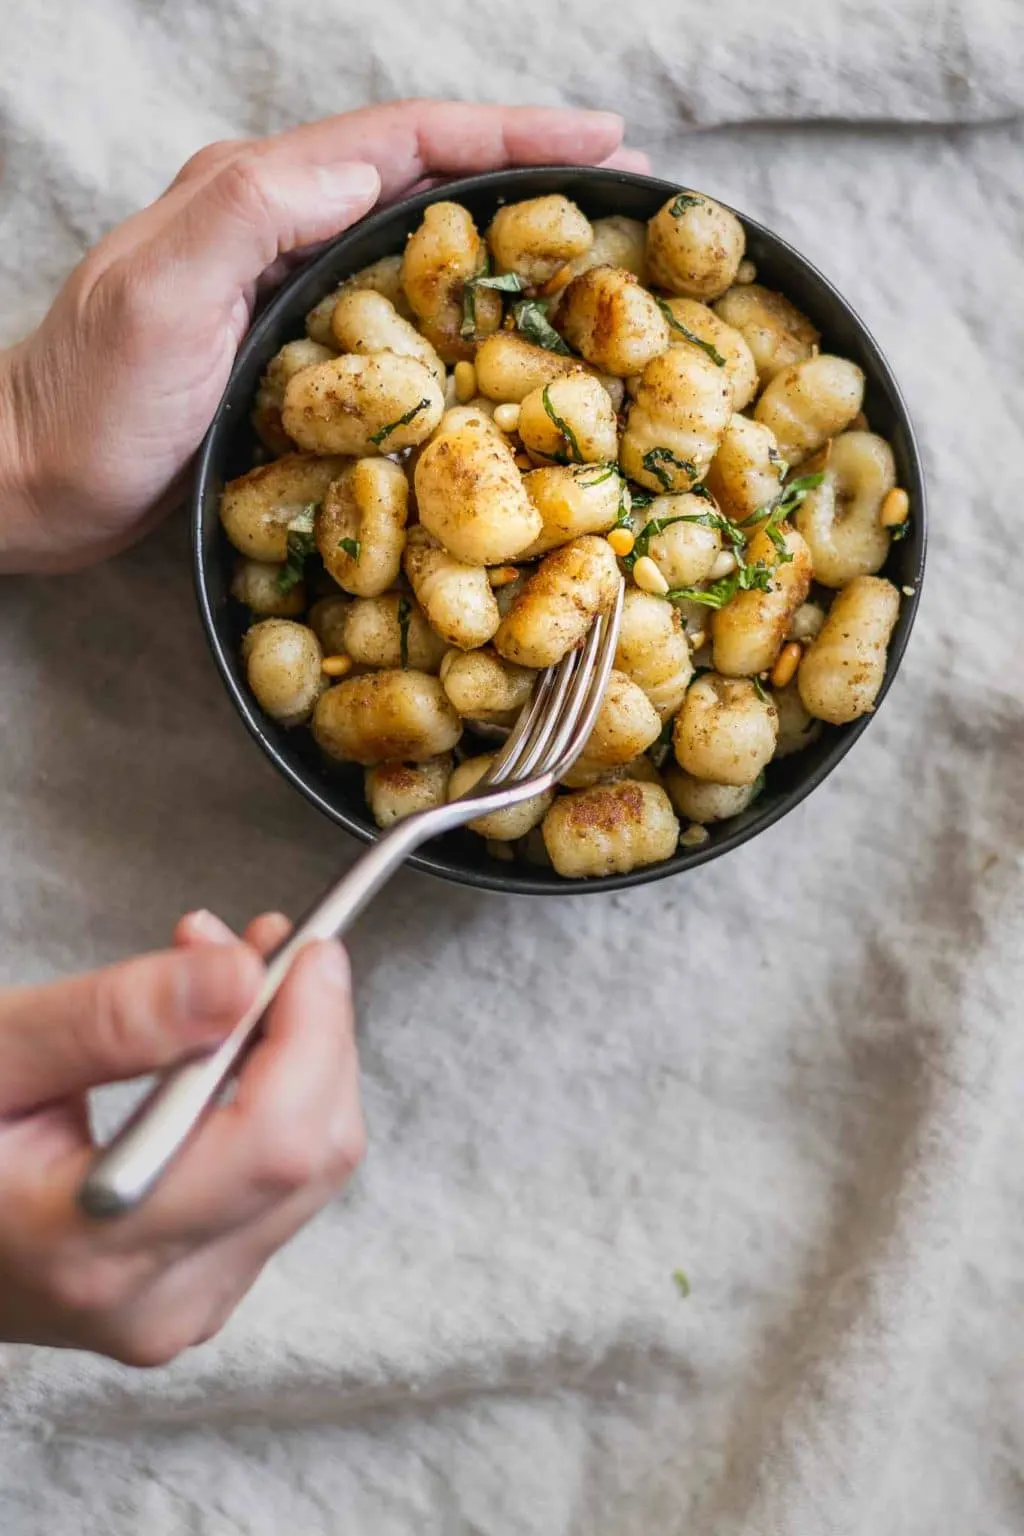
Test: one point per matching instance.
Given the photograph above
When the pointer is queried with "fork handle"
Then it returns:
(125, 1171)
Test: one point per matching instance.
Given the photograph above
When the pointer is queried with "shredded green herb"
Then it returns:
(656, 525)
(531, 317)
(404, 615)
(627, 501)
(403, 421)
(606, 470)
(504, 282)
(780, 508)
(691, 336)
(301, 544)
(655, 458)
(681, 1282)
(571, 440)
(745, 578)
(759, 689)
(683, 201)
(900, 531)
(351, 547)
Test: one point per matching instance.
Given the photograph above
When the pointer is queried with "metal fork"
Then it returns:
(543, 744)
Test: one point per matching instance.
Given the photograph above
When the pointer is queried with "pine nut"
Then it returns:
(336, 666)
(556, 281)
(694, 835)
(724, 565)
(506, 417)
(746, 272)
(450, 393)
(785, 667)
(648, 577)
(524, 462)
(503, 575)
(465, 382)
(621, 541)
(895, 508)
(697, 639)
(807, 622)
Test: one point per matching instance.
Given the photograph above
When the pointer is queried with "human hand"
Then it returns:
(144, 1287)
(104, 405)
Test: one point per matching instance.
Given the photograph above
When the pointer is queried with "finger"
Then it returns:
(295, 1120)
(120, 1022)
(264, 933)
(629, 160)
(267, 932)
(411, 140)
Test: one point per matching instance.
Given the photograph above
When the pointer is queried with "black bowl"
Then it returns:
(230, 445)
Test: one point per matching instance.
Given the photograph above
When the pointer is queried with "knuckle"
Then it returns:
(208, 159)
(241, 183)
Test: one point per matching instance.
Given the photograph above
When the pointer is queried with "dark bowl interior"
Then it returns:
(229, 450)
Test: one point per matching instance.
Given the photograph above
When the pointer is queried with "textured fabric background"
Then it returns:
(797, 1074)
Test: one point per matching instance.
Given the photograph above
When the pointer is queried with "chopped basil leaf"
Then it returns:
(685, 200)
(900, 531)
(351, 547)
(658, 525)
(759, 784)
(301, 544)
(691, 336)
(745, 578)
(571, 441)
(640, 499)
(504, 282)
(759, 689)
(779, 509)
(404, 615)
(531, 317)
(653, 460)
(681, 1282)
(403, 421)
(605, 473)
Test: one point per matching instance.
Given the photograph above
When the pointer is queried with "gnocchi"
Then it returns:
(612, 321)
(362, 404)
(396, 790)
(694, 246)
(386, 716)
(680, 412)
(842, 671)
(557, 605)
(610, 829)
(810, 402)
(840, 519)
(474, 442)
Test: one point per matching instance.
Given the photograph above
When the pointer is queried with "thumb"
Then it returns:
(262, 202)
(120, 1022)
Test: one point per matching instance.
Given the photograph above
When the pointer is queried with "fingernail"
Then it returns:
(332, 962)
(353, 182)
(207, 926)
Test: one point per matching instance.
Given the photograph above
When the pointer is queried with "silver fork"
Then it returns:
(543, 744)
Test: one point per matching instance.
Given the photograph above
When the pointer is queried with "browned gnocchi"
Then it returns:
(479, 437)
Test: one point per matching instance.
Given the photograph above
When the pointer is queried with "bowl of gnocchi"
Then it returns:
(449, 438)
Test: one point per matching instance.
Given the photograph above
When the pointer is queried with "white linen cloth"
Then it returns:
(797, 1073)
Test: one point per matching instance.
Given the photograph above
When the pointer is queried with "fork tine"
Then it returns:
(582, 710)
(553, 727)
